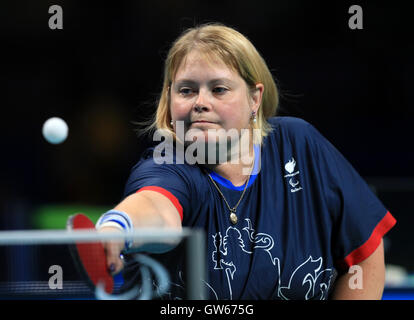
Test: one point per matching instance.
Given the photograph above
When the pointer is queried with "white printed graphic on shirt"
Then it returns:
(311, 282)
(308, 284)
(261, 241)
(291, 175)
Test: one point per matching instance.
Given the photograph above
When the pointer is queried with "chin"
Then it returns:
(215, 136)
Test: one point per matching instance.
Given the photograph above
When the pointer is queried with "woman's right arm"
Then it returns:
(146, 209)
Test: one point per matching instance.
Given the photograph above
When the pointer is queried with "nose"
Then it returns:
(200, 108)
(201, 104)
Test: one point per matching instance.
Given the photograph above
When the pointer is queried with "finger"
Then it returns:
(113, 260)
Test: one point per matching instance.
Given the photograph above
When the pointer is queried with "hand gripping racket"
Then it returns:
(90, 257)
(90, 260)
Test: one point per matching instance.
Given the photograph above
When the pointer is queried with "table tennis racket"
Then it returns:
(90, 257)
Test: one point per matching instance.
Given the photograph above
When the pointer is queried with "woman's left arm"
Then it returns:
(372, 275)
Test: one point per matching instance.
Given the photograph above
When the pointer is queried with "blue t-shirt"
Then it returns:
(306, 215)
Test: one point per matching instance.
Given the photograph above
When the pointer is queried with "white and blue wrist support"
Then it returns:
(117, 219)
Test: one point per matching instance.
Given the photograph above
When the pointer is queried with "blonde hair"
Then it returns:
(237, 52)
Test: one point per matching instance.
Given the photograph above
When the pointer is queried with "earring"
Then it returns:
(254, 116)
(171, 122)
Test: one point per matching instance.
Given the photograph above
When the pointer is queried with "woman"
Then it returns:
(283, 217)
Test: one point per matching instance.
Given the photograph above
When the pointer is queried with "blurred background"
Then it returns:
(103, 71)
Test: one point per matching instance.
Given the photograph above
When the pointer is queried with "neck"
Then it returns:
(239, 164)
(235, 173)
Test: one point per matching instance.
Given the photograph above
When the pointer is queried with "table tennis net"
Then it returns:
(41, 265)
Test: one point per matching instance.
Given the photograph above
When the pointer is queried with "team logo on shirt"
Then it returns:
(290, 166)
(292, 175)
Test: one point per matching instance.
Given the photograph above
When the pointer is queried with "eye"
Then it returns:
(220, 90)
(185, 91)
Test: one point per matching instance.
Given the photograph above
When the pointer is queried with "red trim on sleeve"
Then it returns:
(364, 251)
(168, 194)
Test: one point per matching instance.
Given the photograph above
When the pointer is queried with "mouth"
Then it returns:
(202, 122)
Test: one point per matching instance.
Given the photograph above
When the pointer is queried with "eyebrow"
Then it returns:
(212, 81)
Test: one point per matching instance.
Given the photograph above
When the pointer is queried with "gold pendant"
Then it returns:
(233, 218)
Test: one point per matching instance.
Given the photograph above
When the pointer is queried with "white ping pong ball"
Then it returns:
(55, 130)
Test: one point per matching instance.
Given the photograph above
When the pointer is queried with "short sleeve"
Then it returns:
(171, 180)
(359, 218)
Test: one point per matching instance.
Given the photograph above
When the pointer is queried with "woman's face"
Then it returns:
(207, 96)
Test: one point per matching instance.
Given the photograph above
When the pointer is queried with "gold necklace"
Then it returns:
(233, 216)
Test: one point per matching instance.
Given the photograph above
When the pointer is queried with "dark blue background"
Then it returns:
(104, 70)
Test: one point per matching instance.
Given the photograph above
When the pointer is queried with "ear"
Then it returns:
(256, 96)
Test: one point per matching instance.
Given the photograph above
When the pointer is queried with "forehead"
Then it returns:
(197, 64)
